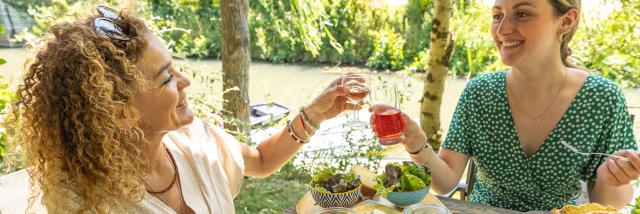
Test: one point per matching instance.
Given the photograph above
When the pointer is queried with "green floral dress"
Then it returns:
(482, 127)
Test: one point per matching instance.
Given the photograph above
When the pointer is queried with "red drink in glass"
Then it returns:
(388, 125)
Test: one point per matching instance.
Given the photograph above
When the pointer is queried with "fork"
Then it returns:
(570, 147)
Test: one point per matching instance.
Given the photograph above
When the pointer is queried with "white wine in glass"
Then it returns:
(358, 89)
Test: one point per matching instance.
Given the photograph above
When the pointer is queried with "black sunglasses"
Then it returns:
(107, 25)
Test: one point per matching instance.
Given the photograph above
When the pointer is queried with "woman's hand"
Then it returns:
(330, 103)
(414, 138)
(617, 172)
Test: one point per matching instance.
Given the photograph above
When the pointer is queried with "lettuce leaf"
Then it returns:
(328, 181)
(393, 173)
(402, 177)
(322, 176)
(383, 190)
(419, 170)
(410, 183)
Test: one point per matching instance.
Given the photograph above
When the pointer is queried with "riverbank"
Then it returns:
(295, 85)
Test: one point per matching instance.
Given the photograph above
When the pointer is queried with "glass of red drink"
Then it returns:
(386, 121)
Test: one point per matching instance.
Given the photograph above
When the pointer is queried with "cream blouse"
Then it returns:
(209, 163)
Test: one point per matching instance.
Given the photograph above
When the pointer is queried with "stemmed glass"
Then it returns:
(358, 89)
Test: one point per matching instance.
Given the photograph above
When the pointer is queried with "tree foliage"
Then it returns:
(361, 32)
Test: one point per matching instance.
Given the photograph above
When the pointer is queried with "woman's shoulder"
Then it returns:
(602, 84)
(486, 83)
(201, 137)
(201, 129)
(602, 88)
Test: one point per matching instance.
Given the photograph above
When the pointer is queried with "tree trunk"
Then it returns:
(131, 4)
(235, 65)
(440, 49)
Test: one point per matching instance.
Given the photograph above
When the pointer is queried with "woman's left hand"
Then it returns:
(618, 172)
(330, 103)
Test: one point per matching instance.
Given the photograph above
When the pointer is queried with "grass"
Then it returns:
(273, 194)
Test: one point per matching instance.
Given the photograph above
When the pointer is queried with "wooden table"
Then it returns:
(455, 206)
(459, 206)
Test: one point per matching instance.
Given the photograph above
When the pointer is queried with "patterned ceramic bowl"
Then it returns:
(403, 199)
(345, 199)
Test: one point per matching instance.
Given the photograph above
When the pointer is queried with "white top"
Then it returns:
(209, 163)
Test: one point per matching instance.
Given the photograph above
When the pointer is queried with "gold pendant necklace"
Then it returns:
(538, 118)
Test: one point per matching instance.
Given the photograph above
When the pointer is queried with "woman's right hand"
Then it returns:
(414, 138)
(331, 102)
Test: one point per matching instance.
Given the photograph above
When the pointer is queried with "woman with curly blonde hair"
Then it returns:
(105, 127)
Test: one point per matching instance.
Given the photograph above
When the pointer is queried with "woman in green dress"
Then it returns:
(511, 124)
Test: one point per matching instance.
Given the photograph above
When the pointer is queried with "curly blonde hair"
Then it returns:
(73, 95)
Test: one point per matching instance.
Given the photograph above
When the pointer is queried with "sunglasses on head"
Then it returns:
(107, 25)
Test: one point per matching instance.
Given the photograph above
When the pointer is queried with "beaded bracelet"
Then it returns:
(294, 136)
(305, 128)
(305, 120)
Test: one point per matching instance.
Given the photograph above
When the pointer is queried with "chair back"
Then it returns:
(471, 179)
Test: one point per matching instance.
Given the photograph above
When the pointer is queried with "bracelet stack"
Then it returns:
(306, 121)
(294, 136)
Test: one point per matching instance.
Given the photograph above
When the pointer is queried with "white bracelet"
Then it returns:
(304, 128)
(306, 121)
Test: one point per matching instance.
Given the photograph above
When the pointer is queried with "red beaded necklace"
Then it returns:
(175, 175)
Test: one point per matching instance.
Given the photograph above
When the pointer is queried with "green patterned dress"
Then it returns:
(482, 127)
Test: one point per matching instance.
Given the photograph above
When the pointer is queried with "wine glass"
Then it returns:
(358, 89)
(387, 122)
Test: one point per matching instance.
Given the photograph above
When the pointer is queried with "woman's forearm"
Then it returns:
(605, 194)
(444, 179)
(278, 149)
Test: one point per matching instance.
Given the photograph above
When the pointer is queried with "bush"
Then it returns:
(5, 99)
(359, 32)
(387, 52)
(6, 96)
(610, 45)
(192, 27)
(418, 17)
(275, 36)
(474, 51)
(23, 5)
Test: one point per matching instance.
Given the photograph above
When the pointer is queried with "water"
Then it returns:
(294, 85)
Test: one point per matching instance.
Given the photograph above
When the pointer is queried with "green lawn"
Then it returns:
(273, 194)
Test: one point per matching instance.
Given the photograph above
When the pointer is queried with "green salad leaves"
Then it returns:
(329, 181)
(402, 177)
(636, 208)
